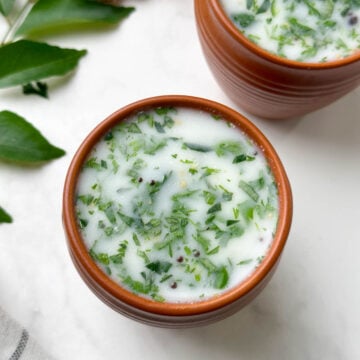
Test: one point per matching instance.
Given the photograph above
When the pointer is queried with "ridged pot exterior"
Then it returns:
(263, 84)
(175, 315)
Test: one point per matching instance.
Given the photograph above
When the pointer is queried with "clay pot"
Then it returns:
(265, 84)
(174, 315)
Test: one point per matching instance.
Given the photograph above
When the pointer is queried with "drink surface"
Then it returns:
(176, 205)
(306, 30)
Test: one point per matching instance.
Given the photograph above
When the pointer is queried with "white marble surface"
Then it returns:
(311, 308)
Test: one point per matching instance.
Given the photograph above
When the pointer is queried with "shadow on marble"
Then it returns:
(337, 124)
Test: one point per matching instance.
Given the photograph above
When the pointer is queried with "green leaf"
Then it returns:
(4, 216)
(59, 15)
(221, 278)
(198, 147)
(300, 29)
(24, 61)
(202, 240)
(6, 6)
(242, 157)
(159, 266)
(245, 262)
(214, 208)
(244, 19)
(249, 4)
(249, 190)
(21, 142)
(264, 7)
(208, 265)
(39, 88)
(214, 251)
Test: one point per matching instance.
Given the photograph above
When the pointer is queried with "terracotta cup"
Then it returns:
(174, 315)
(264, 84)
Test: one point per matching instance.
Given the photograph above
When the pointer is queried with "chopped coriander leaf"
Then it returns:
(198, 147)
(140, 287)
(83, 223)
(165, 110)
(249, 190)
(158, 297)
(4, 216)
(244, 19)
(159, 128)
(184, 194)
(247, 210)
(103, 258)
(213, 251)
(228, 147)
(136, 239)
(159, 266)
(93, 164)
(126, 219)
(221, 278)
(187, 250)
(165, 277)
(214, 208)
(236, 212)
(208, 265)
(119, 256)
(227, 195)
(242, 157)
(245, 262)
(202, 240)
(154, 145)
(86, 199)
(231, 222)
(109, 136)
(143, 255)
(110, 214)
(209, 171)
(133, 128)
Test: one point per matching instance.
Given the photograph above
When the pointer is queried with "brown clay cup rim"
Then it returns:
(78, 249)
(237, 35)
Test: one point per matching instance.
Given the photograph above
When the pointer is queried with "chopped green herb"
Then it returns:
(159, 266)
(244, 19)
(213, 251)
(221, 278)
(198, 147)
(136, 239)
(243, 157)
(244, 262)
(214, 208)
(83, 223)
(4, 216)
(165, 277)
(249, 190)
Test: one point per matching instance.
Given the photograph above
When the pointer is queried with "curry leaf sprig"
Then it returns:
(26, 63)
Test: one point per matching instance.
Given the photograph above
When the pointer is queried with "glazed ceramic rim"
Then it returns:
(235, 33)
(79, 250)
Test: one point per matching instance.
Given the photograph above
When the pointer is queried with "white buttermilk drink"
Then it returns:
(302, 30)
(177, 205)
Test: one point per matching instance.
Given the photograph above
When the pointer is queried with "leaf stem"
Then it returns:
(9, 35)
